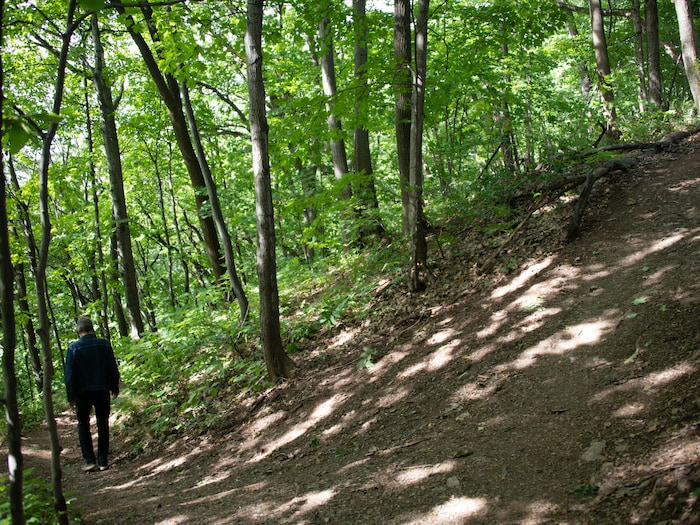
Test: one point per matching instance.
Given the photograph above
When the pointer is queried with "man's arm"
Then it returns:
(68, 374)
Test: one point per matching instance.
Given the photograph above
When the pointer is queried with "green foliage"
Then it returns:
(184, 376)
(495, 70)
(366, 358)
(585, 490)
(37, 500)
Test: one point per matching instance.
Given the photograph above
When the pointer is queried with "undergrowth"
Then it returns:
(38, 502)
(201, 361)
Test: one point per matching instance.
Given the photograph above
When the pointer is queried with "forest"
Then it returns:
(215, 182)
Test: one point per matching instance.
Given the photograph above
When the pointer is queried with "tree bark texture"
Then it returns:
(127, 268)
(639, 61)
(419, 248)
(684, 14)
(15, 460)
(362, 157)
(330, 88)
(277, 361)
(402, 102)
(600, 46)
(651, 15)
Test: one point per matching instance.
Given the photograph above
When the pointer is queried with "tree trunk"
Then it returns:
(122, 324)
(600, 47)
(176, 223)
(338, 152)
(169, 91)
(127, 268)
(15, 461)
(277, 361)
(217, 215)
(419, 248)
(23, 303)
(639, 54)
(505, 124)
(402, 103)
(584, 78)
(362, 158)
(9, 343)
(309, 188)
(340, 159)
(690, 55)
(59, 499)
(164, 220)
(651, 15)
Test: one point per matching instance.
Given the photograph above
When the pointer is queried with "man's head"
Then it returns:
(84, 326)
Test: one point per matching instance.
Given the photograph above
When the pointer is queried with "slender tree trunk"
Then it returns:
(41, 284)
(92, 193)
(584, 77)
(419, 249)
(600, 47)
(176, 223)
(402, 103)
(330, 89)
(111, 144)
(505, 124)
(639, 54)
(217, 215)
(15, 461)
(651, 15)
(277, 361)
(362, 158)
(684, 14)
(169, 91)
(153, 154)
(29, 333)
(122, 323)
(309, 187)
(23, 303)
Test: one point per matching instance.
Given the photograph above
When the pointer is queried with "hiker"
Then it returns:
(91, 374)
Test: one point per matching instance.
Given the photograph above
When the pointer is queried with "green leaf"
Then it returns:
(640, 300)
(17, 135)
(92, 5)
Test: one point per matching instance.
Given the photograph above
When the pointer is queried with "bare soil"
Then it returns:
(560, 389)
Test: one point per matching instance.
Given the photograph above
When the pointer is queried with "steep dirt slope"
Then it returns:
(565, 391)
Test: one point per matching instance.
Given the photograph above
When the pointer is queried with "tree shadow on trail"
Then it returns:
(565, 392)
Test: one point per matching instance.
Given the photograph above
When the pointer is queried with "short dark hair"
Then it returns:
(84, 325)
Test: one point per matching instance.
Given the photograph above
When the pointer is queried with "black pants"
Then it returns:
(84, 403)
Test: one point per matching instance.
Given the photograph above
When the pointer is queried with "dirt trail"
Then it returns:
(565, 391)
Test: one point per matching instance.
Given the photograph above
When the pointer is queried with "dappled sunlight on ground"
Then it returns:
(474, 409)
(321, 411)
(416, 474)
(648, 383)
(529, 272)
(306, 504)
(560, 343)
(456, 510)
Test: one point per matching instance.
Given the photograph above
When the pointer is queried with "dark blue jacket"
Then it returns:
(90, 366)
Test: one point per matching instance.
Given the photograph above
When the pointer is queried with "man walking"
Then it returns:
(91, 374)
